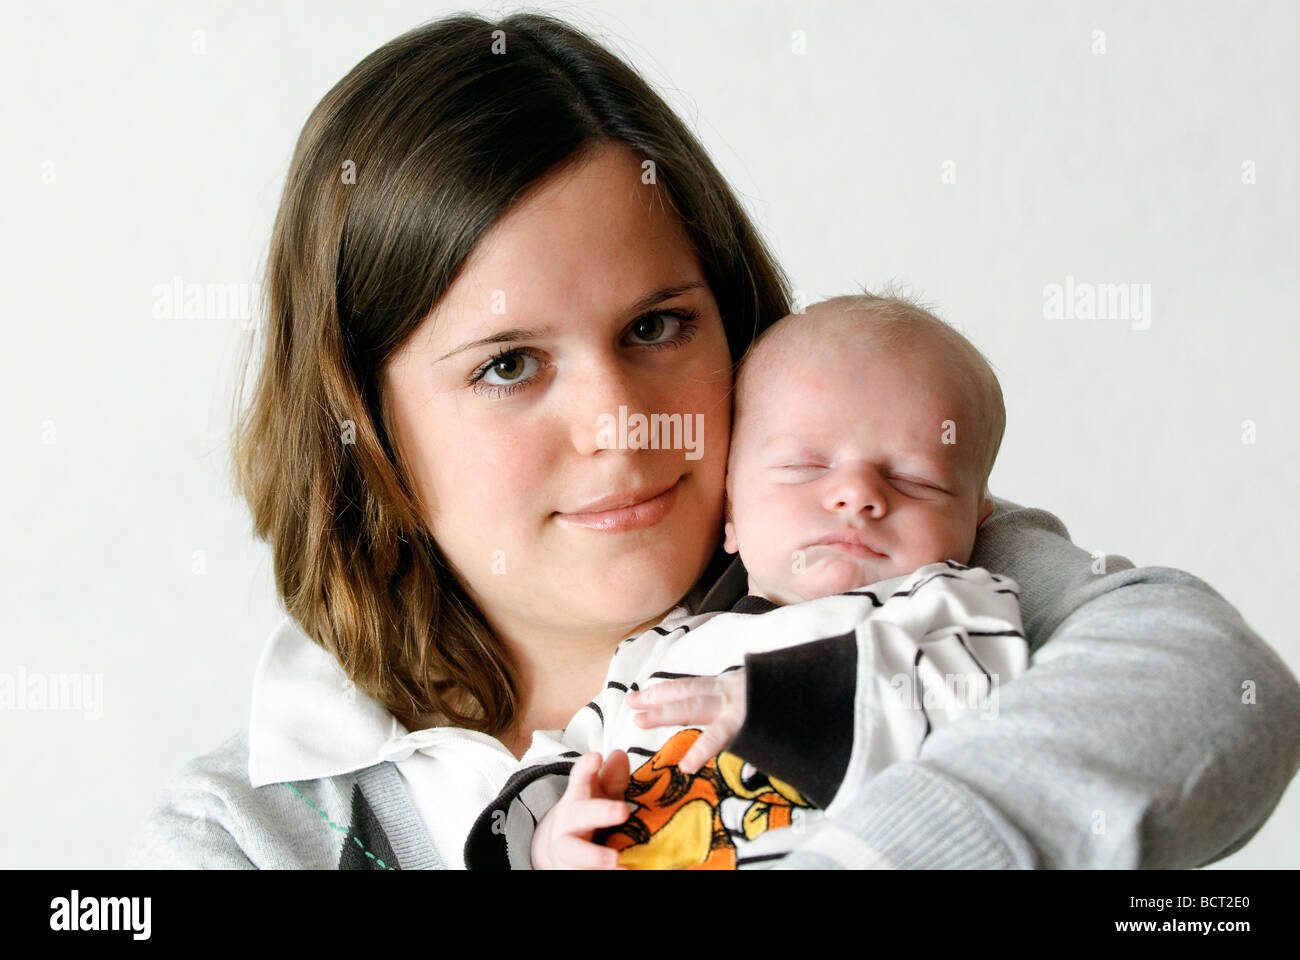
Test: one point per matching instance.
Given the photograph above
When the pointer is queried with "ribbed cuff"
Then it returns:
(799, 721)
(912, 817)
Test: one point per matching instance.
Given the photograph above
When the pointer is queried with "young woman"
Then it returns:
(492, 234)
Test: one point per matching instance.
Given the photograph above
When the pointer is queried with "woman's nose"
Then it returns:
(854, 488)
(603, 398)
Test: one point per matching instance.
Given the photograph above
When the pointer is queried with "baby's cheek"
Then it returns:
(788, 554)
(765, 556)
(952, 540)
(767, 559)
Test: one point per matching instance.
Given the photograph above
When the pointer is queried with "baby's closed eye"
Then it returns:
(918, 488)
(798, 472)
(807, 472)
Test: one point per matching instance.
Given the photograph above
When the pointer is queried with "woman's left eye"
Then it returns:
(665, 328)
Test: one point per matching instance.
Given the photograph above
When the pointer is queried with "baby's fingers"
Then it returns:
(706, 746)
(583, 777)
(680, 710)
(668, 691)
(589, 815)
(615, 775)
(577, 854)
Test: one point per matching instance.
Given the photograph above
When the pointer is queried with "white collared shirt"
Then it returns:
(309, 721)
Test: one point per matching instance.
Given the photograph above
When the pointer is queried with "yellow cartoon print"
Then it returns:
(679, 821)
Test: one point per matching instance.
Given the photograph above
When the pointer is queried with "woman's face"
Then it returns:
(584, 306)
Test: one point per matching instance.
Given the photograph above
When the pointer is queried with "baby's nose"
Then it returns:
(854, 489)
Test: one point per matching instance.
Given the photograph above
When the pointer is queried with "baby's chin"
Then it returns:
(826, 579)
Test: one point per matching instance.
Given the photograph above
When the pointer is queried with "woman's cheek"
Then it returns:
(482, 495)
(509, 473)
(710, 376)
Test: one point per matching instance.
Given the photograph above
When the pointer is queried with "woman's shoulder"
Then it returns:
(210, 816)
(270, 797)
(223, 769)
(1016, 534)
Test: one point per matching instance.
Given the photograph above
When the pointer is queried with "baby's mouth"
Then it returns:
(852, 543)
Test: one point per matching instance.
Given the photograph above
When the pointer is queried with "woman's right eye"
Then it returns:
(505, 372)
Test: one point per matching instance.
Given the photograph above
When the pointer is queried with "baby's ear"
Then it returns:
(729, 542)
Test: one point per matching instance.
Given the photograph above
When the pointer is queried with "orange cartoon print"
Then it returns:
(679, 823)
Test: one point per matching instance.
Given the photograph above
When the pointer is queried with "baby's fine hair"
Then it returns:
(893, 321)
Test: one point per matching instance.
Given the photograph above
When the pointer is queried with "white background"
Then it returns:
(1122, 167)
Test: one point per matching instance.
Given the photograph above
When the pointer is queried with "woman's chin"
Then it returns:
(630, 597)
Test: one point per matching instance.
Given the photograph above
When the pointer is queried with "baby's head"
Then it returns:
(865, 431)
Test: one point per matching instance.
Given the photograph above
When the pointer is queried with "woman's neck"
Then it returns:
(555, 680)
(558, 676)
(550, 693)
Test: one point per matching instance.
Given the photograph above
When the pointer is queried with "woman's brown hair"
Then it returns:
(398, 172)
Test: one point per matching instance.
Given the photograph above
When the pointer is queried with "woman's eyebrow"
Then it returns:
(501, 336)
(662, 294)
(521, 333)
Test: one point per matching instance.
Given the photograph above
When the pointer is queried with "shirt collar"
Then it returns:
(309, 721)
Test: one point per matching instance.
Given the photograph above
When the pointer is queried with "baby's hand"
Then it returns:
(716, 702)
(593, 799)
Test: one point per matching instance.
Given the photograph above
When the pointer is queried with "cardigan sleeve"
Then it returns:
(210, 817)
(187, 832)
(199, 822)
(1153, 729)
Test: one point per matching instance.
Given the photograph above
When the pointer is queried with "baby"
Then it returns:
(864, 434)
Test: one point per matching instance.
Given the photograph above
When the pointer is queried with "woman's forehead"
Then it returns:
(592, 240)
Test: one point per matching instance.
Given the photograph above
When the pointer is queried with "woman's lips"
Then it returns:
(638, 516)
